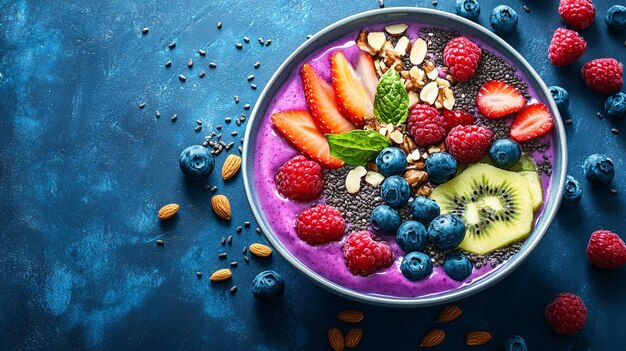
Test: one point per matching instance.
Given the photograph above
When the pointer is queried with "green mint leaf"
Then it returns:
(357, 147)
(391, 104)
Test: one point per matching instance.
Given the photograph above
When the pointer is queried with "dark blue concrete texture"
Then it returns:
(83, 171)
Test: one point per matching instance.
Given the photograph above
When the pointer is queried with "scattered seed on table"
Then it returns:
(218, 127)
(174, 117)
(257, 64)
(435, 2)
(268, 42)
(182, 78)
(241, 140)
(238, 46)
(229, 240)
(253, 86)
(242, 117)
(227, 119)
(246, 106)
(240, 150)
(157, 114)
(599, 115)
(201, 52)
(198, 129)
(160, 242)
(237, 121)
(258, 230)
(250, 77)
(142, 105)
(199, 122)
(199, 274)
(236, 99)
(568, 121)
(261, 41)
(223, 241)
(308, 36)
(246, 224)
(234, 133)
(230, 145)
(214, 188)
(233, 289)
(245, 249)
(233, 264)
(613, 191)
(222, 255)
(190, 63)
(219, 25)
(245, 258)
(145, 30)
(381, 3)
(614, 131)
(212, 65)
(171, 45)
(246, 39)
(202, 74)
(168, 64)
(238, 229)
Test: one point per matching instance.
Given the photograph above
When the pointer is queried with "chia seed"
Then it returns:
(499, 127)
(257, 64)
(613, 191)
(233, 264)
(244, 250)
(202, 52)
(246, 224)
(145, 30)
(212, 65)
(202, 74)
(171, 45)
(535, 145)
(261, 41)
(199, 274)
(238, 229)
(381, 3)
(229, 240)
(219, 25)
(250, 77)
(160, 243)
(258, 230)
(544, 166)
(227, 119)
(615, 131)
(239, 46)
(222, 255)
(174, 117)
(157, 114)
(268, 42)
(190, 63)
(233, 290)
(253, 86)
(218, 127)
(245, 258)
(236, 99)
(526, 8)
(246, 40)
(240, 150)
(234, 133)
(436, 38)
(168, 64)
(142, 105)
(182, 78)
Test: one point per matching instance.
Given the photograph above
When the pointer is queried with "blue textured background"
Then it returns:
(83, 171)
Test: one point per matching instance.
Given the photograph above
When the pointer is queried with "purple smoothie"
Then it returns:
(272, 150)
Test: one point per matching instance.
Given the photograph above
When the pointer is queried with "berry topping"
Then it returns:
(606, 250)
(503, 19)
(441, 167)
(615, 106)
(566, 47)
(560, 97)
(455, 118)
(424, 209)
(268, 286)
(300, 179)
(320, 225)
(412, 236)
(534, 121)
(604, 76)
(469, 9)
(364, 254)
(425, 125)
(457, 266)
(366, 71)
(446, 231)
(573, 192)
(504, 153)
(196, 162)
(616, 17)
(391, 161)
(395, 191)
(462, 57)
(320, 99)
(416, 266)
(385, 220)
(468, 144)
(353, 100)
(577, 13)
(599, 169)
(497, 99)
(299, 128)
(566, 314)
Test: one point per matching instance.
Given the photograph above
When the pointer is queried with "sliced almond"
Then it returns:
(442, 83)
(402, 46)
(416, 73)
(418, 51)
(361, 42)
(432, 75)
(376, 40)
(414, 98)
(353, 179)
(448, 101)
(396, 136)
(383, 131)
(433, 149)
(429, 93)
(415, 155)
(374, 178)
(396, 29)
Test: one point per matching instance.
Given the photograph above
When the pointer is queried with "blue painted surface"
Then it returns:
(83, 171)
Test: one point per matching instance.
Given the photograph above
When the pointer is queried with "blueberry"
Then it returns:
(561, 98)
(469, 9)
(616, 17)
(615, 106)
(412, 236)
(599, 169)
(440, 167)
(503, 19)
(395, 191)
(391, 161)
(446, 232)
(457, 266)
(505, 153)
(514, 343)
(416, 266)
(385, 220)
(268, 286)
(424, 209)
(573, 192)
(196, 162)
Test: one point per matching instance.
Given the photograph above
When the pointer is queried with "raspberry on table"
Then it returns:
(468, 144)
(462, 57)
(364, 254)
(566, 47)
(300, 179)
(606, 250)
(425, 125)
(577, 13)
(604, 75)
(566, 314)
(320, 225)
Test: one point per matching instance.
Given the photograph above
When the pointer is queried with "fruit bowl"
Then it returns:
(257, 124)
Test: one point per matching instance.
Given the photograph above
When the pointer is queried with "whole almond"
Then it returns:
(477, 338)
(449, 313)
(260, 250)
(350, 316)
(335, 337)
(222, 274)
(433, 338)
(168, 211)
(221, 206)
(353, 337)
(231, 166)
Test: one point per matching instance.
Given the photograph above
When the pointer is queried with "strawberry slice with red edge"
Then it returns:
(534, 121)
(497, 99)
(366, 71)
(299, 128)
(320, 99)
(353, 100)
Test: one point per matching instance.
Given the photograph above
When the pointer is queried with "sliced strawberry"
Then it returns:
(299, 128)
(353, 100)
(534, 121)
(320, 99)
(497, 99)
(366, 71)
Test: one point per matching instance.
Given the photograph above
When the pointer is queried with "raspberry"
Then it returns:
(300, 179)
(425, 125)
(566, 314)
(603, 75)
(606, 250)
(468, 144)
(462, 57)
(577, 13)
(364, 254)
(566, 47)
(455, 118)
(320, 225)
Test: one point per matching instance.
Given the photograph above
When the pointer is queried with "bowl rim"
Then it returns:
(544, 221)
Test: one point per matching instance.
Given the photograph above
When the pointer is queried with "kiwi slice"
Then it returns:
(495, 205)
(525, 164)
(534, 184)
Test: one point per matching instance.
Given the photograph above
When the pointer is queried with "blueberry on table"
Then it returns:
(457, 266)
(441, 167)
(561, 98)
(616, 17)
(469, 9)
(385, 220)
(268, 286)
(503, 19)
(395, 191)
(505, 153)
(446, 231)
(615, 106)
(391, 161)
(424, 209)
(514, 343)
(599, 169)
(416, 266)
(196, 162)
(573, 192)
(412, 236)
